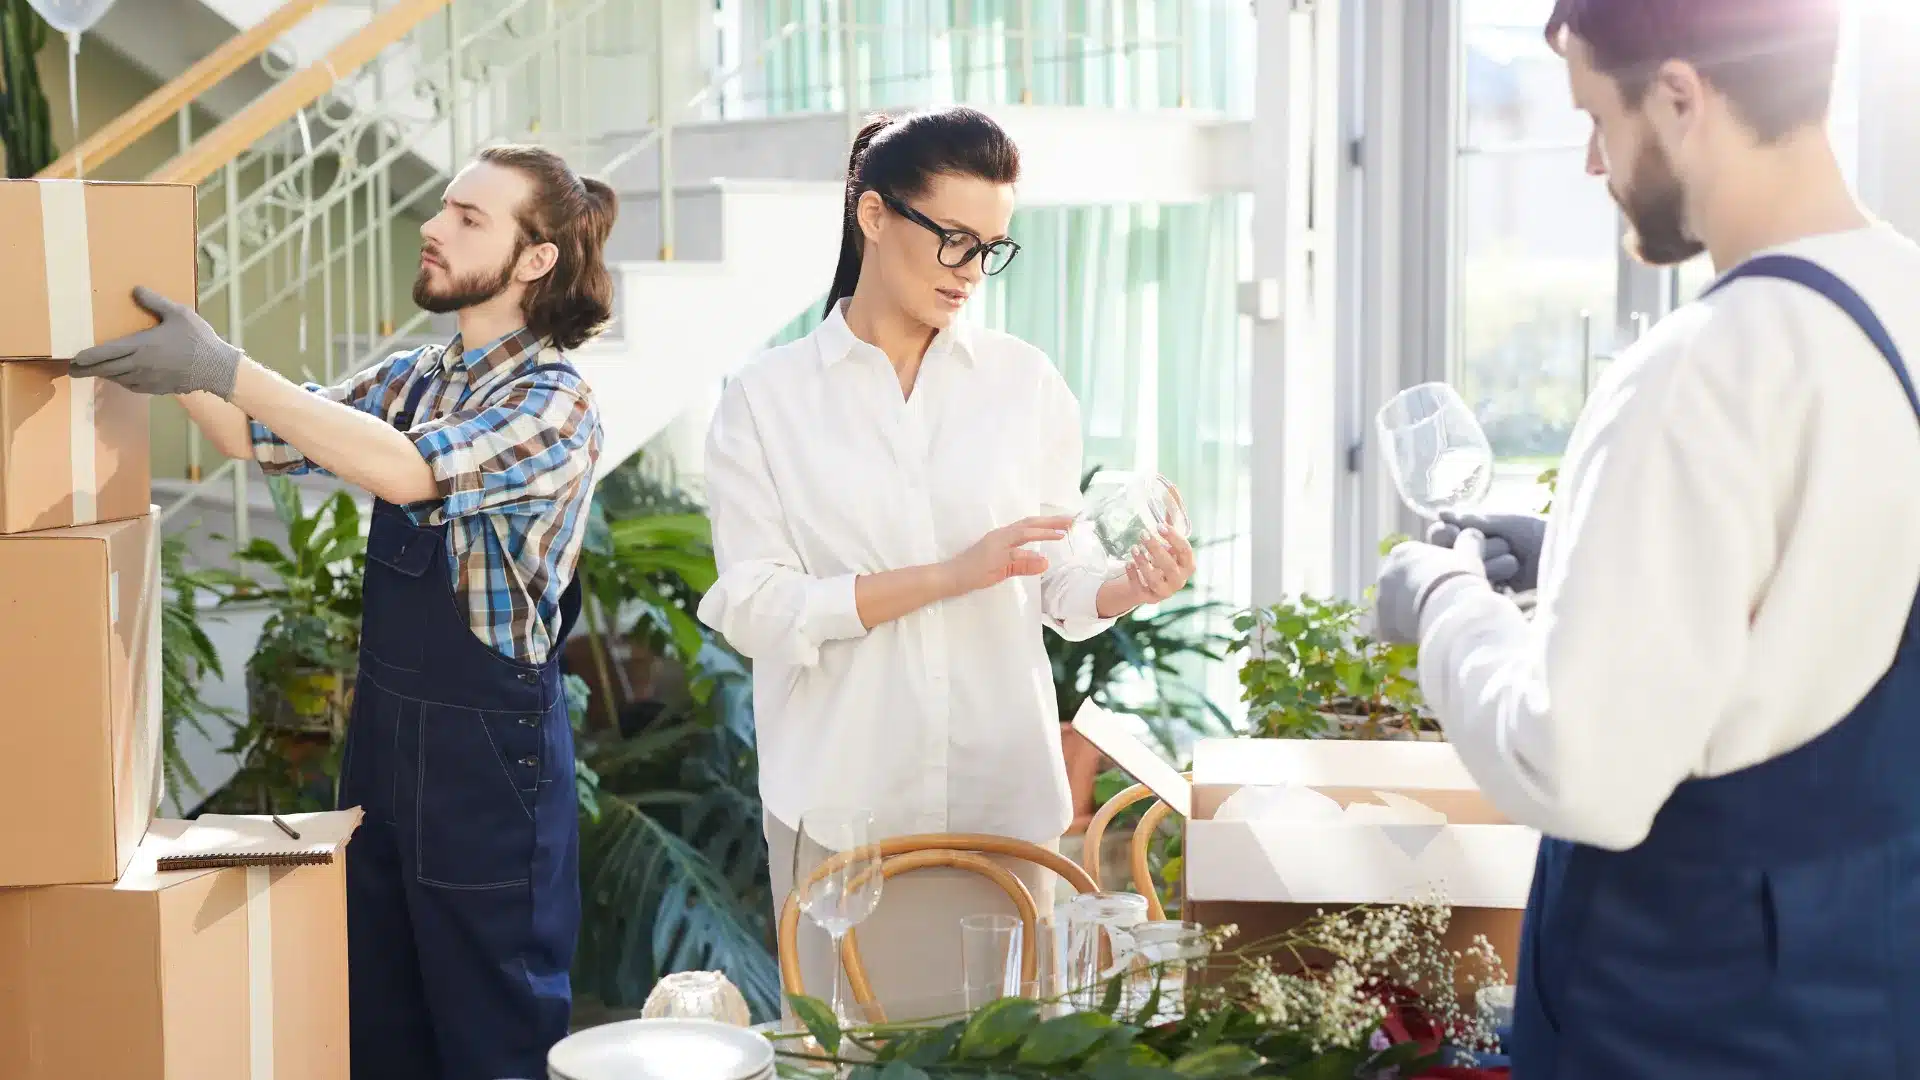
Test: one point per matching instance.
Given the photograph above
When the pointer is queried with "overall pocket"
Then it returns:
(1674, 939)
(479, 772)
(398, 560)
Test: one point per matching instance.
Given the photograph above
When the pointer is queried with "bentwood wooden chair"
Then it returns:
(904, 854)
(1142, 872)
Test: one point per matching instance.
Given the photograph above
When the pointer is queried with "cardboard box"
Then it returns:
(222, 974)
(1267, 875)
(71, 252)
(79, 699)
(72, 451)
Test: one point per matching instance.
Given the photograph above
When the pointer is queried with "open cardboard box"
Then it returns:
(1267, 875)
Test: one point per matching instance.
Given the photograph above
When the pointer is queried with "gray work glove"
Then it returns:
(1409, 576)
(1512, 547)
(179, 356)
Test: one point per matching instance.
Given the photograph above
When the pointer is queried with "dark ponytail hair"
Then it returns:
(899, 156)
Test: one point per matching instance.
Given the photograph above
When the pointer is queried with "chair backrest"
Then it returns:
(1142, 837)
(903, 854)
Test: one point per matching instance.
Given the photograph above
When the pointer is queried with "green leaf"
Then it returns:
(900, 1070)
(1130, 1061)
(1150, 1008)
(997, 1026)
(1064, 1038)
(818, 1017)
(935, 1047)
(1116, 990)
(286, 499)
(1343, 1064)
(1218, 1061)
(1409, 1057)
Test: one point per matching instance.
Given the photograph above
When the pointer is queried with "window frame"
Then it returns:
(1400, 226)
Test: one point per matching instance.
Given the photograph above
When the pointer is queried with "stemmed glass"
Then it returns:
(836, 869)
(1440, 459)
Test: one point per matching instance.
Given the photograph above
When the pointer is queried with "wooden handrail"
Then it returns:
(165, 103)
(296, 92)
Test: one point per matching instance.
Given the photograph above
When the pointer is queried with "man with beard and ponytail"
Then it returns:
(462, 882)
(1714, 713)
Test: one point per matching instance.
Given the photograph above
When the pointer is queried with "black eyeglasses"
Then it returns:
(958, 246)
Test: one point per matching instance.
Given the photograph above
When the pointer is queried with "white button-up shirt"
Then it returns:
(1730, 562)
(818, 471)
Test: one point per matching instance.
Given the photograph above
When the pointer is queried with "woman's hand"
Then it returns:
(1158, 568)
(1002, 554)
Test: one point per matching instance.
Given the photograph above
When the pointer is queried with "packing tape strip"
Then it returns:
(259, 973)
(69, 277)
(147, 764)
(82, 443)
(63, 232)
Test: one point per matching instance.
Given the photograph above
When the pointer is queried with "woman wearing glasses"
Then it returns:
(891, 500)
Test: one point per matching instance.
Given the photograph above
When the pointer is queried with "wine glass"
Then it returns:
(836, 869)
(1439, 457)
(1123, 508)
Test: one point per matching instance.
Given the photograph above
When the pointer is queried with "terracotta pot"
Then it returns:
(643, 670)
(1084, 761)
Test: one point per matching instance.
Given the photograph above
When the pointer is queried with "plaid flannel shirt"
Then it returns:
(513, 452)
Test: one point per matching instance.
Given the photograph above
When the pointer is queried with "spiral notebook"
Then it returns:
(216, 840)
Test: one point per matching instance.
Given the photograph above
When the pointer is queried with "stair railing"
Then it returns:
(302, 190)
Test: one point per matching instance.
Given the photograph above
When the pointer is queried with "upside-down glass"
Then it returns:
(1439, 458)
(1123, 508)
(836, 871)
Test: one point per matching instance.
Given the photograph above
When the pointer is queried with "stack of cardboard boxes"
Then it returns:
(108, 966)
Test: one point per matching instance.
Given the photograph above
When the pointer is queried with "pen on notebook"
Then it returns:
(284, 827)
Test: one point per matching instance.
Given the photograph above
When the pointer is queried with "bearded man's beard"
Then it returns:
(1655, 206)
(464, 291)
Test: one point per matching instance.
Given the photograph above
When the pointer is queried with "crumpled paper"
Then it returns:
(1294, 803)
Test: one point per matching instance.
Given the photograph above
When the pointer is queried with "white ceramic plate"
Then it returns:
(662, 1049)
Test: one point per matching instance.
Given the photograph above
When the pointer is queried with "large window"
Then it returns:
(1538, 298)
(1537, 255)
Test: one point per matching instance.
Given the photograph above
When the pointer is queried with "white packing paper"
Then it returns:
(1296, 803)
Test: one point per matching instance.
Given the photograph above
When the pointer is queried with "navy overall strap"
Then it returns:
(414, 394)
(1826, 283)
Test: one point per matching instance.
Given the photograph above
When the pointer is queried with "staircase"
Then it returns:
(344, 123)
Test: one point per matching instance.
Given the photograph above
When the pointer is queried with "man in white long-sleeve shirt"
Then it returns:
(1714, 714)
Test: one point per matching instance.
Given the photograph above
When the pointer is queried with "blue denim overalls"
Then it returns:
(1768, 928)
(463, 885)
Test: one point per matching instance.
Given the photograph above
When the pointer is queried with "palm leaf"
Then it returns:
(656, 904)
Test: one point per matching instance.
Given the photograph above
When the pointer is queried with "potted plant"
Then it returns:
(300, 676)
(187, 657)
(26, 121)
(1312, 672)
(647, 558)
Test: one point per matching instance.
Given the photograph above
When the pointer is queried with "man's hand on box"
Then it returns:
(179, 356)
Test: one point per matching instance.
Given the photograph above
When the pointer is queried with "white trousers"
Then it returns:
(911, 943)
